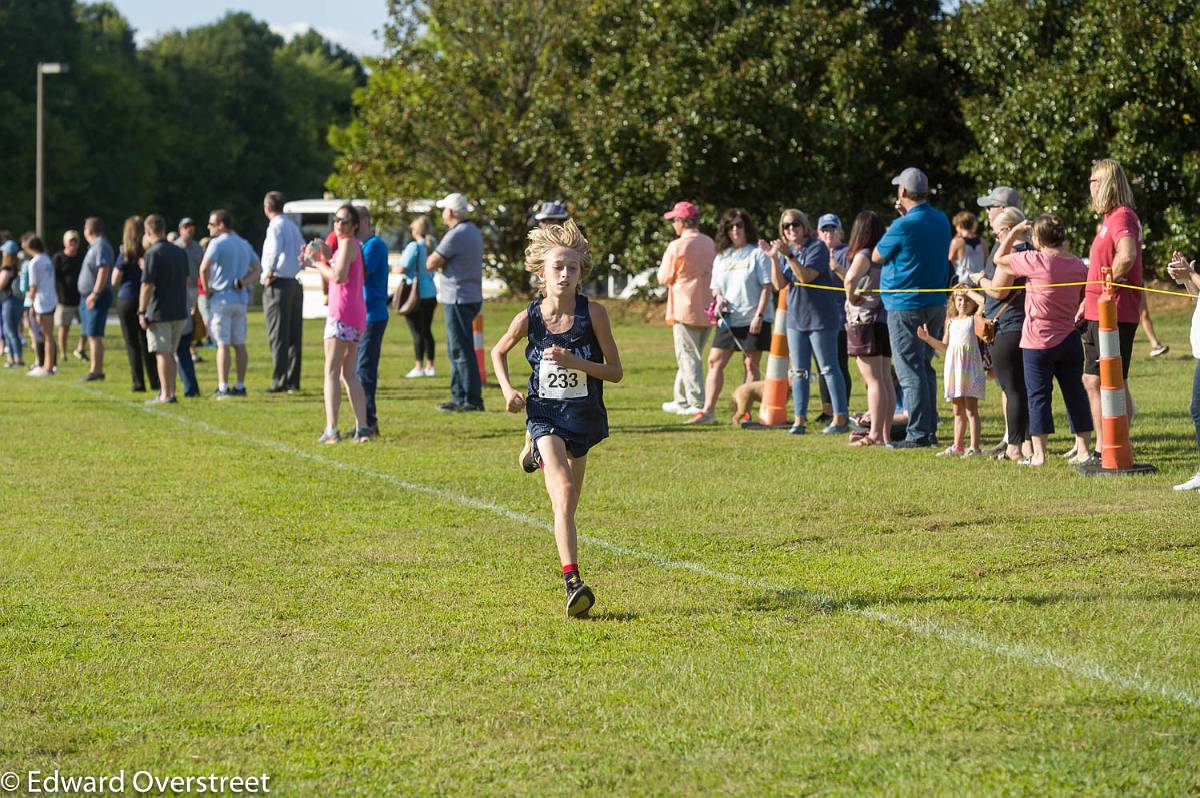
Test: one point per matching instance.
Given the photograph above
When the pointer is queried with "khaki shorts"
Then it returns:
(65, 314)
(163, 336)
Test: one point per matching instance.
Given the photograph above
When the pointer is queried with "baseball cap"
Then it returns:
(10, 247)
(683, 210)
(1001, 197)
(456, 202)
(552, 211)
(828, 220)
(912, 180)
(185, 221)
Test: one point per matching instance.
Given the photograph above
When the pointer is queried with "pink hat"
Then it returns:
(683, 210)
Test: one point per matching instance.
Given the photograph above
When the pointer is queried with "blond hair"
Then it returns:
(422, 229)
(1114, 190)
(544, 239)
(1009, 217)
(798, 216)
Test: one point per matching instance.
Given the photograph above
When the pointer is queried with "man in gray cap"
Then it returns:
(552, 212)
(913, 255)
(459, 259)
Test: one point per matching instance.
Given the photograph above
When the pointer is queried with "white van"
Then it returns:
(314, 217)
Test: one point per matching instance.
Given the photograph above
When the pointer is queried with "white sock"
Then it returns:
(223, 386)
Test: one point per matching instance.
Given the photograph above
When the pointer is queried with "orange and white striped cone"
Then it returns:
(772, 412)
(477, 329)
(1116, 453)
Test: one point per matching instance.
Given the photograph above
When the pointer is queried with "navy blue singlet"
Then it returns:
(581, 422)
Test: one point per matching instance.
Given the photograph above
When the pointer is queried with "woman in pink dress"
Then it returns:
(347, 319)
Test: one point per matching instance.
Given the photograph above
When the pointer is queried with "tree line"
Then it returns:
(621, 107)
(213, 116)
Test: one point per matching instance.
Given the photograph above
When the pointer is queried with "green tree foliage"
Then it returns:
(1050, 86)
(471, 98)
(213, 116)
(624, 106)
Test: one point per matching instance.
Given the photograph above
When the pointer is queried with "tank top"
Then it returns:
(573, 400)
(971, 259)
(346, 302)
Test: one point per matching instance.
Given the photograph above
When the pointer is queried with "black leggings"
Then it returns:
(1010, 373)
(844, 365)
(142, 364)
(420, 324)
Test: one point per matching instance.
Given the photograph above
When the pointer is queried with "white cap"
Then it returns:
(457, 204)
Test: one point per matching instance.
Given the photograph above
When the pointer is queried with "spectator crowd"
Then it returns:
(1022, 311)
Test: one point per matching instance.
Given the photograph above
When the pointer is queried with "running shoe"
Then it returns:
(362, 435)
(94, 376)
(37, 371)
(972, 452)
(1160, 350)
(952, 451)
(449, 407)
(222, 393)
(430, 372)
(824, 418)
(673, 407)
(330, 436)
(530, 458)
(80, 355)
(416, 371)
(835, 429)
(797, 429)
(235, 391)
(999, 448)
(580, 599)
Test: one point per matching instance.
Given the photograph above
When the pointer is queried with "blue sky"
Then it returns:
(350, 23)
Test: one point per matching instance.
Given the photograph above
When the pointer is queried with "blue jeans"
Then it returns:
(1196, 402)
(802, 345)
(913, 359)
(183, 359)
(1063, 362)
(465, 387)
(370, 346)
(13, 306)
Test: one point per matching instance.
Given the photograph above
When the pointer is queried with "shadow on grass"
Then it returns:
(606, 616)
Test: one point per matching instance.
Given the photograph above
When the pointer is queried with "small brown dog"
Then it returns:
(744, 399)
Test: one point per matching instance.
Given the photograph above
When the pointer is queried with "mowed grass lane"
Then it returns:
(201, 589)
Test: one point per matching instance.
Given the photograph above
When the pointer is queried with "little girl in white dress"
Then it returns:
(964, 376)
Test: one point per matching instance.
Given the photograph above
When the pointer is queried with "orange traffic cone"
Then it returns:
(1116, 454)
(477, 328)
(773, 410)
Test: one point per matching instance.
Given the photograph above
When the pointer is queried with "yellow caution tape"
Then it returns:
(1004, 288)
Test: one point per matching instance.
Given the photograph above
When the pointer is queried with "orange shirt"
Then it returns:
(686, 270)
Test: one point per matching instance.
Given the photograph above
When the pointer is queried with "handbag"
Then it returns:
(985, 328)
(860, 338)
(405, 300)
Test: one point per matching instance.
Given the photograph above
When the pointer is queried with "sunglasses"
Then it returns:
(342, 219)
(737, 225)
(213, 224)
(792, 225)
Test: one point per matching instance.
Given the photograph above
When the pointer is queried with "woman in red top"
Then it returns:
(1118, 246)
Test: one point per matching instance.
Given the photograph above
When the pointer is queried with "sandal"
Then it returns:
(863, 441)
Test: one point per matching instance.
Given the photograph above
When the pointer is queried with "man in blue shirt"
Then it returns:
(459, 258)
(914, 253)
(283, 299)
(375, 291)
(229, 268)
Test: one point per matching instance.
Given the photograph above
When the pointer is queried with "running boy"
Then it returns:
(571, 351)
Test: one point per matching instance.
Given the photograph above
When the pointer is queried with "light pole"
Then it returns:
(42, 69)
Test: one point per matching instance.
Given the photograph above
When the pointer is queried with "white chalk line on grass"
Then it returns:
(1028, 654)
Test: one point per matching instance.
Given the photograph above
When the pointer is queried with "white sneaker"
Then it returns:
(37, 371)
(689, 411)
(415, 371)
(430, 372)
(672, 407)
(1191, 484)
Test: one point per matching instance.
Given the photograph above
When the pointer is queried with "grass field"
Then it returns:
(202, 589)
